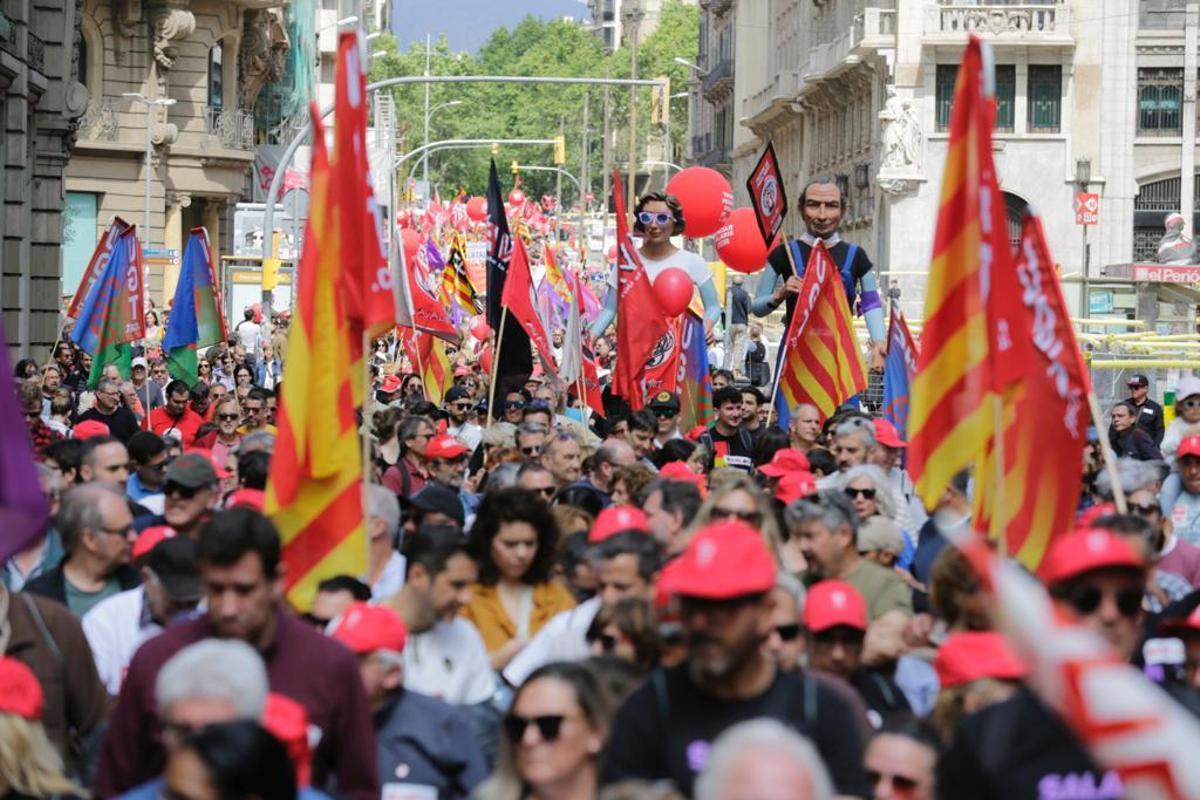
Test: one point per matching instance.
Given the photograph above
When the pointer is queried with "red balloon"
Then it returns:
(612, 252)
(516, 197)
(411, 241)
(477, 208)
(706, 199)
(674, 289)
(480, 329)
(485, 360)
(403, 218)
(739, 242)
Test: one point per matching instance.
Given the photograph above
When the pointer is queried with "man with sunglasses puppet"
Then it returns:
(657, 217)
(822, 205)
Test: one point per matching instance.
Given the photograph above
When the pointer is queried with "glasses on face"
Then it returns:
(665, 413)
(647, 217)
(122, 532)
(512, 405)
(227, 417)
(252, 410)
(531, 450)
(751, 517)
(549, 726)
(159, 467)
(545, 491)
(901, 786)
(186, 492)
(607, 642)
(1086, 599)
(851, 492)
(1191, 402)
(460, 406)
(788, 633)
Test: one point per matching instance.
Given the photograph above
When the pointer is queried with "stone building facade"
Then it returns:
(40, 104)
(213, 58)
(861, 89)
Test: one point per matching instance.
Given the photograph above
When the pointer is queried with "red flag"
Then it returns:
(662, 370)
(419, 306)
(641, 322)
(518, 299)
(364, 265)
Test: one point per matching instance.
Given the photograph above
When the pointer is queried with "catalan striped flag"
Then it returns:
(314, 491)
(464, 289)
(436, 373)
(822, 362)
(950, 419)
(554, 275)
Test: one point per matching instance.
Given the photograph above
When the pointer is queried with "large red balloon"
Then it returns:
(706, 199)
(480, 329)
(674, 288)
(411, 241)
(739, 242)
(403, 218)
(516, 197)
(612, 252)
(477, 208)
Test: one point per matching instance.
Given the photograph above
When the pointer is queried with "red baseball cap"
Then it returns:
(1177, 626)
(833, 603)
(614, 520)
(887, 435)
(784, 462)
(287, 721)
(724, 560)
(149, 538)
(1085, 550)
(89, 428)
(796, 486)
(695, 433)
(20, 692)
(680, 471)
(1088, 518)
(1190, 446)
(971, 655)
(443, 446)
(365, 629)
(390, 385)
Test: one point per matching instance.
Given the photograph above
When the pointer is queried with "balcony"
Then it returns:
(36, 52)
(772, 100)
(719, 80)
(232, 128)
(1027, 24)
(99, 121)
(717, 158)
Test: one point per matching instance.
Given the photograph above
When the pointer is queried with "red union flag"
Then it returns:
(767, 194)
(1087, 208)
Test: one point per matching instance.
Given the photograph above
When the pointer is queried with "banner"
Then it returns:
(767, 195)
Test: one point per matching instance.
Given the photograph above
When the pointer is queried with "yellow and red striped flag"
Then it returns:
(554, 274)
(462, 280)
(314, 491)
(437, 375)
(950, 420)
(823, 364)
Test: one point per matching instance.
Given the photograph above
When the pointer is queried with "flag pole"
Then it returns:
(498, 341)
(365, 429)
(1110, 460)
(420, 366)
(783, 344)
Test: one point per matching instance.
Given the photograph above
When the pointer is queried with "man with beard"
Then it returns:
(120, 420)
(665, 730)
(458, 406)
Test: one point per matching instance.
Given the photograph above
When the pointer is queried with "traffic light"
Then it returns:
(515, 167)
(660, 102)
(495, 149)
(560, 149)
(271, 263)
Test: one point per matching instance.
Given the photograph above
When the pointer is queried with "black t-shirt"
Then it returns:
(1020, 749)
(880, 694)
(666, 728)
(735, 450)
(778, 259)
(121, 423)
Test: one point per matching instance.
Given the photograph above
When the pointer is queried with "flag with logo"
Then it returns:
(111, 317)
(314, 490)
(695, 382)
(821, 362)
(641, 322)
(418, 305)
(196, 316)
(899, 367)
(96, 264)
(519, 299)
(767, 195)
(662, 368)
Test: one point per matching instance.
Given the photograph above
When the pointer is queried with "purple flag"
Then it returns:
(24, 511)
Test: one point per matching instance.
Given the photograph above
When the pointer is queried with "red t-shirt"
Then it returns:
(184, 427)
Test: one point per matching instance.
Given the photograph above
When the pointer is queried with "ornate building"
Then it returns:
(1102, 90)
(40, 103)
(213, 58)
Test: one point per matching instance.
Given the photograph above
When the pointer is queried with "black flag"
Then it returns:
(514, 362)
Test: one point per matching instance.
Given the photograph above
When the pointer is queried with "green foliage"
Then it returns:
(518, 111)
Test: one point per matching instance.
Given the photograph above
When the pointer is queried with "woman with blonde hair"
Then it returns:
(29, 764)
(734, 495)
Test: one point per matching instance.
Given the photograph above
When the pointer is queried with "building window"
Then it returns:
(1014, 214)
(1006, 93)
(81, 62)
(946, 75)
(80, 232)
(1161, 13)
(1045, 98)
(1160, 99)
(216, 77)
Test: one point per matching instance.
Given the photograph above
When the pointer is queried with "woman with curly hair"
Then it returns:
(514, 541)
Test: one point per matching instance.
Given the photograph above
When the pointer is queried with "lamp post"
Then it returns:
(633, 16)
(429, 112)
(164, 102)
(1083, 177)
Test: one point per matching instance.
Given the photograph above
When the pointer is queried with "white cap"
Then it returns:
(1188, 386)
(138, 362)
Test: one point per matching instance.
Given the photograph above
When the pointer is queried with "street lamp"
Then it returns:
(1083, 177)
(164, 102)
(690, 65)
(341, 22)
(429, 112)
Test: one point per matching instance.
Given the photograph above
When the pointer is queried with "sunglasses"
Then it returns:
(608, 642)
(665, 413)
(186, 492)
(646, 217)
(901, 785)
(532, 450)
(788, 633)
(1085, 599)
(751, 517)
(1191, 402)
(1150, 509)
(869, 494)
(546, 491)
(227, 417)
(461, 406)
(514, 404)
(549, 726)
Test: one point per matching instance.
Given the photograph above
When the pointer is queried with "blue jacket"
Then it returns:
(423, 741)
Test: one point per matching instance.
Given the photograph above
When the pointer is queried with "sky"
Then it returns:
(468, 23)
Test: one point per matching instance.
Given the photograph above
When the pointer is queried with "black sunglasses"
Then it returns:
(788, 633)
(899, 782)
(546, 491)
(1085, 599)
(853, 493)
(549, 726)
(228, 417)
(531, 450)
(665, 413)
(186, 492)
(608, 642)
(751, 517)
(514, 403)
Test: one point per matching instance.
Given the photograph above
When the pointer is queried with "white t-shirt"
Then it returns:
(450, 662)
(114, 630)
(691, 263)
(391, 580)
(248, 332)
(468, 433)
(563, 638)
